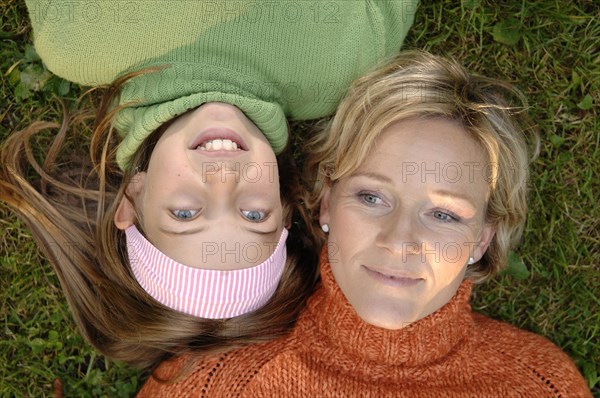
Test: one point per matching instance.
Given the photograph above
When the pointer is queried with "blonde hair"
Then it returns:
(69, 200)
(420, 85)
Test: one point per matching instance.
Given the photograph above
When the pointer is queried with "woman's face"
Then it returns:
(210, 197)
(404, 224)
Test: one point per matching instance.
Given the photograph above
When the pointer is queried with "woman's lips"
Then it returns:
(393, 278)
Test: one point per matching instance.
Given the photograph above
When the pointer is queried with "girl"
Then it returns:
(153, 236)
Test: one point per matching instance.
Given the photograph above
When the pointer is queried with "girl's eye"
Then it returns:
(370, 199)
(443, 216)
(253, 215)
(184, 214)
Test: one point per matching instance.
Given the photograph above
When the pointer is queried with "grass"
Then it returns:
(549, 49)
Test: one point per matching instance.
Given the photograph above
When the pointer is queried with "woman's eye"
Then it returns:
(184, 214)
(370, 199)
(443, 216)
(254, 215)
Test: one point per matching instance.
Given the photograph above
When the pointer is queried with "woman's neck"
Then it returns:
(419, 343)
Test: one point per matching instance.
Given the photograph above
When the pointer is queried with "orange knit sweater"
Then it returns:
(331, 352)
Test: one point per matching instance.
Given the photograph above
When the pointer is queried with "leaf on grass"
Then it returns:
(586, 103)
(557, 140)
(563, 158)
(58, 86)
(53, 335)
(591, 374)
(94, 376)
(12, 68)
(516, 267)
(63, 88)
(575, 77)
(37, 345)
(62, 358)
(507, 32)
(34, 77)
(471, 4)
(15, 77)
(22, 92)
(30, 54)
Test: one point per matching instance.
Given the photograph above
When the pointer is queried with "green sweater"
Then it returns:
(271, 59)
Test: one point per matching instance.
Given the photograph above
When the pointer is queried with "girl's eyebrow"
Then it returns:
(202, 228)
(184, 232)
(257, 231)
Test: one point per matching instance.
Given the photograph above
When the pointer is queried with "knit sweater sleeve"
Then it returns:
(293, 44)
(221, 375)
(92, 42)
(549, 371)
(398, 17)
(174, 378)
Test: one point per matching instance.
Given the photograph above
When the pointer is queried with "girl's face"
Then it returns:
(210, 197)
(404, 224)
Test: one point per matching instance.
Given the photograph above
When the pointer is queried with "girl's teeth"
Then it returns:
(218, 144)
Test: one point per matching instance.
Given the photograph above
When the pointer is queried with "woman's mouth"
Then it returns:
(393, 278)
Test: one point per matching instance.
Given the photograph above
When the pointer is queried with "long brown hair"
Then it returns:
(69, 199)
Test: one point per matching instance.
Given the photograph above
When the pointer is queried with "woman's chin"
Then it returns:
(392, 318)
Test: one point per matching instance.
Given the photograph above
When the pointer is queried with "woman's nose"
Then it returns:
(398, 235)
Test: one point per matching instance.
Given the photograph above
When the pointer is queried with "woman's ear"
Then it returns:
(487, 234)
(324, 217)
(125, 215)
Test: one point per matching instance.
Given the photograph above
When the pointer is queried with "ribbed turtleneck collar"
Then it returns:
(339, 327)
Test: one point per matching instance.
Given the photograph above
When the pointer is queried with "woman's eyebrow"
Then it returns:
(455, 195)
(374, 176)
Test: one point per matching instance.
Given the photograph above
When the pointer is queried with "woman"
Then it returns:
(194, 191)
(422, 192)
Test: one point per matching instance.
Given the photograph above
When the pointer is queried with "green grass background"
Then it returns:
(549, 49)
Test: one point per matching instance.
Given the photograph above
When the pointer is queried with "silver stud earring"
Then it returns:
(471, 260)
(325, 228)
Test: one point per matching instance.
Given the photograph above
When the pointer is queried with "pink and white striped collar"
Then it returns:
(205, 293)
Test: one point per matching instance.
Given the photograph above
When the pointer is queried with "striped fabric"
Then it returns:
(212, 294)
